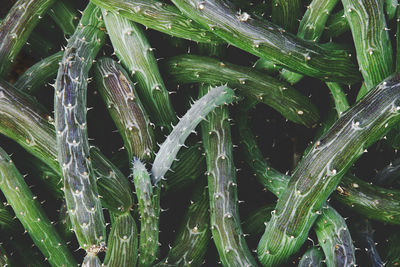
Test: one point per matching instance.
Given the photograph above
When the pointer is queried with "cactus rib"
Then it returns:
(334, 238)
(191, 242)
(277, 184)
(371, 39)
(313, 257)
(65, 16)
(38, 74)
(122, 242)
(286, 13)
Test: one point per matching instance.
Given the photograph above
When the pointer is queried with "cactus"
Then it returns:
(225, 223)
(91, 260)
(192, 238)
(126, 109)
(31, 215)
(389, 174)
(371, 39)
(270, 42)
(336, 25)
(339, 97)
(189, 167)
(286, 14)
(80, 187)
(313, 257)
(397, 58)
(371, 201)
(34, 131)
(4, 259)
(175, 140)
(392, 257)
(312, 182)
(311, 27)
(135, 53)
(149, 208)
(38, 74)
(279, 95)
(161, 17)
(122, 242)
(334, 238)
(253, 224)
(65, 16)
(16, 27)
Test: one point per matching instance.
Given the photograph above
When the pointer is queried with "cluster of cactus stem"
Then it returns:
(100, 201)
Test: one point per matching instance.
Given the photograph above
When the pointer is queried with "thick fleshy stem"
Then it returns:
(80, 187)
(175, 140)
(16, 28)
(29, 212)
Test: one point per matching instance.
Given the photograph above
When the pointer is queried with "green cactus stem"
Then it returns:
(175, 140)
(159, 16)
(134, 51)
(225, 223)
(16, 28)
(270, 42)
(80, 187)
(249, 82)
(30, 214)
(127, 111)
(321, 169)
